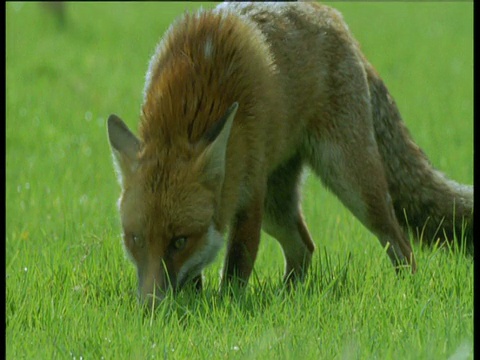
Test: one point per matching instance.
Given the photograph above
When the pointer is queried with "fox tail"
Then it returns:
(426, 202)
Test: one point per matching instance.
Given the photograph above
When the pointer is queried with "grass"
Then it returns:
(70, 292)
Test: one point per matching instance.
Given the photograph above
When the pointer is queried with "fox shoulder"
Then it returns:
(205, 62)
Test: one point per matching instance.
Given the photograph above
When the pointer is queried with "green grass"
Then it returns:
(70, 291)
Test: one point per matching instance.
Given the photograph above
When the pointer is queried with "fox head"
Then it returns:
(168, 204)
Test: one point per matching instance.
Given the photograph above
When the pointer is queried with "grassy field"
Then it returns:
(70, 291)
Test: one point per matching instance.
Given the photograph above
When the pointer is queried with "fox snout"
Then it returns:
(153, 285)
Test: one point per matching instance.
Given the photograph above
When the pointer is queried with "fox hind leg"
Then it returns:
(283, 219)
(340, 146)
(353, 170)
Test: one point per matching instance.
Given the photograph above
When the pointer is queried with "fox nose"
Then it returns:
(151, 301)
(151, 289)
(153, 282)
(151, 292)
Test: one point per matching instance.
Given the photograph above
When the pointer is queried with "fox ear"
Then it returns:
(125, 147)
(215, 153)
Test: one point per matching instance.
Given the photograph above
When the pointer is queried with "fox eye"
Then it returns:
(179, 242)
(137, 240)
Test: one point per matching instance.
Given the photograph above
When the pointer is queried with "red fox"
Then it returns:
(238, 100)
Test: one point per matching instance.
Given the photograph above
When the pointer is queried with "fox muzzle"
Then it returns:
(154, 285)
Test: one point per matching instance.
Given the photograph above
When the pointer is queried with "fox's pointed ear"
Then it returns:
(214, 154)
(125, 147)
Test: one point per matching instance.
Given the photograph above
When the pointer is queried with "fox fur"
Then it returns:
(237, 101)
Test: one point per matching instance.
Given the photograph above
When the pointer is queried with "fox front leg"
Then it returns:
(242, 246)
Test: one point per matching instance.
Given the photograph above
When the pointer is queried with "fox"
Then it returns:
(238, 101)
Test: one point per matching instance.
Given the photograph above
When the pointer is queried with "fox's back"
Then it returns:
(306, 41)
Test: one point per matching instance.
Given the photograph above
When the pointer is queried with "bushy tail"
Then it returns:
(425, 201)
